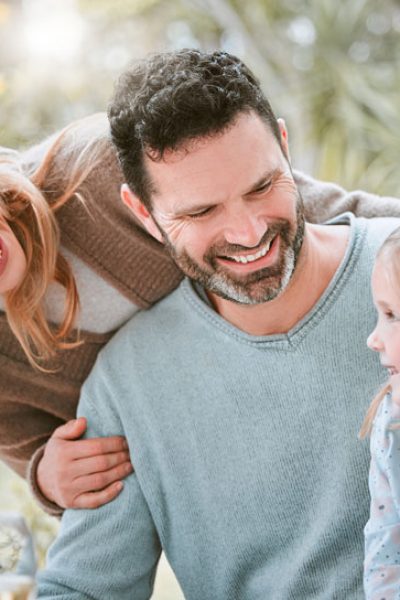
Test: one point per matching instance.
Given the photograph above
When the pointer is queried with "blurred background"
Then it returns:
(331, 68)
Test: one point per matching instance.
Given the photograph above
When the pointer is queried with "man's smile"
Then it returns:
(242, 263)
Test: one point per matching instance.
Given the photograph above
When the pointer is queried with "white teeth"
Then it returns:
(251, 257)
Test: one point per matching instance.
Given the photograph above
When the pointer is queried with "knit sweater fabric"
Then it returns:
(103, 235)
(248, 470)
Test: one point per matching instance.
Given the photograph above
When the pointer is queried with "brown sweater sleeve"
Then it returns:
(33, 404)
(45, 504)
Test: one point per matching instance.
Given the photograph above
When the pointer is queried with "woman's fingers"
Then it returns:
(100, 463)
(102, 479)
(96, 499)
(97, 446)
(71, 430)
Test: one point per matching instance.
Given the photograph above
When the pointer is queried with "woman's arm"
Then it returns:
(324, 200)
(34, 408)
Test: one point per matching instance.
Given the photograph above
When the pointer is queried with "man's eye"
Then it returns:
(389, 315)
(200, 214)
(263, 188)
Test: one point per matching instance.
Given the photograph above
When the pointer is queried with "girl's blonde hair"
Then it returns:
(29, 201)
(389, 257)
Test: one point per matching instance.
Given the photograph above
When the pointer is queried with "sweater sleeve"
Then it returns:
(34, 403)
(111, 552)
(27, 417)
(324, 200)
(51, 508)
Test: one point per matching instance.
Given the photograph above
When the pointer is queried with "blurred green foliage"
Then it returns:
(331, 68)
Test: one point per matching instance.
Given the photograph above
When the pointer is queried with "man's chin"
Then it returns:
(251, 294)
(259, 287)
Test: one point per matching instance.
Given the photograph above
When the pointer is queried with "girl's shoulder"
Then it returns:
(388, 413)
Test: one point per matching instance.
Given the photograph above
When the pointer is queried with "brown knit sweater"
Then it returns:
(107, 239)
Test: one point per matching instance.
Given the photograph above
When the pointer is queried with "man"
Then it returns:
(242, 393)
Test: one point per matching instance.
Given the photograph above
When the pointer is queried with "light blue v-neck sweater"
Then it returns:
(249, 473)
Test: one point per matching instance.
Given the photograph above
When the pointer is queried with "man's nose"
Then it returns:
(374, 342)
(245, 229)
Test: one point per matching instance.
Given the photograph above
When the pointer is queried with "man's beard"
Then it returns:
(255, 287)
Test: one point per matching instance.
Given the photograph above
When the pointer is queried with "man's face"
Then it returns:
(229, 212)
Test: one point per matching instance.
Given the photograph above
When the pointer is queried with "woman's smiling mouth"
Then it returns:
(3, 255)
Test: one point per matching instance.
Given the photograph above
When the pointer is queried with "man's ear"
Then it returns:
(140, 211)
(284, 138)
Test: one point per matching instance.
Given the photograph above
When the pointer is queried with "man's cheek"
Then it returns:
(178, 232)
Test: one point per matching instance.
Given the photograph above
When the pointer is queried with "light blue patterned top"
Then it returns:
(382, 532)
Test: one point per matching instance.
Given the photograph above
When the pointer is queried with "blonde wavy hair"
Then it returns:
(29, 199)
(389, 255)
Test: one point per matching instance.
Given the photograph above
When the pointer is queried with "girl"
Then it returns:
(382, 532)
(74, 266)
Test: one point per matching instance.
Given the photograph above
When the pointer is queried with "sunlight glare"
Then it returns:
(52, 31)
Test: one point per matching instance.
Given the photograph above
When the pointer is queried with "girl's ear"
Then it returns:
(141, 212)
(284, 137)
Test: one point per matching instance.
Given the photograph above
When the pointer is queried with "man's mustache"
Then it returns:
(226, 249)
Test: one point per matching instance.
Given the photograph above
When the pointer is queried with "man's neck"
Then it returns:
(320, 256)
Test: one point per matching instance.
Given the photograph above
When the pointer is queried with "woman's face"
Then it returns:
(12, 259)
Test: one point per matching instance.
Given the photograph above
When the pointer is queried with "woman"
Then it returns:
(65, 238)
(74, 266)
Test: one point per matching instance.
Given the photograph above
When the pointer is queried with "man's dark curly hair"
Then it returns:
(170, 98)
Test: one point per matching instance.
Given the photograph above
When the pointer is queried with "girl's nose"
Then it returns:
(374, 342)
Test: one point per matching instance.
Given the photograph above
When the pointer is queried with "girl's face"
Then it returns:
(12, 259)
(385, 338)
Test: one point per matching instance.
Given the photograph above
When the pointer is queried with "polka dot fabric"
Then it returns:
(382, 532)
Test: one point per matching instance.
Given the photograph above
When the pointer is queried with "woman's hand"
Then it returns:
(77, 473)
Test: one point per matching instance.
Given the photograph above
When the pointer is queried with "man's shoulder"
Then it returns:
(383, 224)
(146, 327)
(366, 237)
(379, 228)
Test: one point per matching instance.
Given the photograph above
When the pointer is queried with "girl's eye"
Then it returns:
(389, 315)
